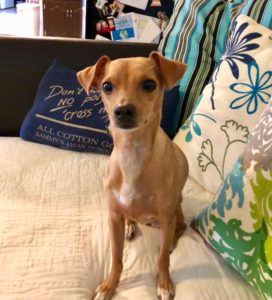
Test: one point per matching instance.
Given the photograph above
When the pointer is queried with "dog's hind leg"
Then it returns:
(180, 226)
(130, 229)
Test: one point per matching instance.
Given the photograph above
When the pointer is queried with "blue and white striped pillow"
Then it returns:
(197, 35)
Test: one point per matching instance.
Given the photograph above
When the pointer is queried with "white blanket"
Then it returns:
(54, 239)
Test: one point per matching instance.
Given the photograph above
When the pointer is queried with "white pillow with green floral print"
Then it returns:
(238, 223)
(230, 105)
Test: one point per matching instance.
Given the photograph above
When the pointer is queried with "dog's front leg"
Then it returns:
(117, 231)
(165, 288)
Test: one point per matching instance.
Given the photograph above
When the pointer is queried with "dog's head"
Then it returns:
(132, 88)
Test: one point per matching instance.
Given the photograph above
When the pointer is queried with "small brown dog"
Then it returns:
(146, 171)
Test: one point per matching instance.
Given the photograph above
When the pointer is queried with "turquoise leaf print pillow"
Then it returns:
(237, 49)
(230, 106)
(253, 91)
(238, 224)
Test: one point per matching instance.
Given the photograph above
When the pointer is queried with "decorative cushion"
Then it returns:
(64, 116)
(230, 106)
(169, 107)
(197, 34)
(238, 224)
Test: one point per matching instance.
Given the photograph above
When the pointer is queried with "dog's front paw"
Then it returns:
(130, 230)
(165, 289)
(100, 296)
(106, 289)
(103, 293)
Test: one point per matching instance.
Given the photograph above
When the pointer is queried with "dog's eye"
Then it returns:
(149, 85)
(107, 87)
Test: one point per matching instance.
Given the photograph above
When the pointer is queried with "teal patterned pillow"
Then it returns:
(238, 224)
(218, 129)
(197, 34)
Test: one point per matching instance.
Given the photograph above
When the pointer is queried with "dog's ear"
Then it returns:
(171, 70)
(90, 77)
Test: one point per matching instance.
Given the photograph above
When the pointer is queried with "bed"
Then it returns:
(54, 238)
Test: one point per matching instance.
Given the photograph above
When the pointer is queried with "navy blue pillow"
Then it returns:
(64, 116)
(169, 108)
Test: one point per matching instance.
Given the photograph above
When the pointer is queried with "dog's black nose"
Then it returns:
(125, 116)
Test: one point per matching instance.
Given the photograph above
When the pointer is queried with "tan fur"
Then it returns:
(146, 171)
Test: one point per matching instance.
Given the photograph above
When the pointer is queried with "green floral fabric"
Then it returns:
(238, 224)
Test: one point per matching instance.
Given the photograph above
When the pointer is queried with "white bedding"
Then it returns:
(54, 241)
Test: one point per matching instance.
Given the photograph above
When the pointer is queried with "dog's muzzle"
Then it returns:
(125, 116)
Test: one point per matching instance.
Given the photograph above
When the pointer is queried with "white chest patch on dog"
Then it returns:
(126, 195)
(131, 165)
(120, 198)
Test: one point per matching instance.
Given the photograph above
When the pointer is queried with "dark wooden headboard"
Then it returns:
(23, 61)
